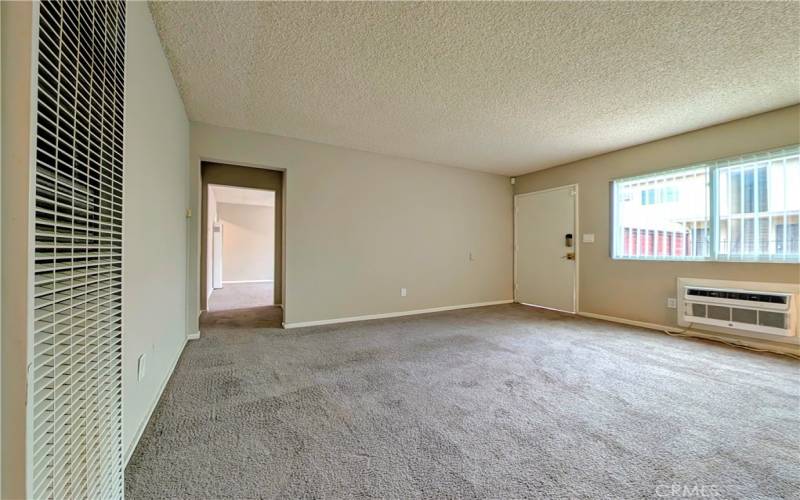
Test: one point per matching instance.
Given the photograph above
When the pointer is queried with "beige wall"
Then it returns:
(248, 242)
(638, 290)
(154, 223)
(16, 32)
(359, 226)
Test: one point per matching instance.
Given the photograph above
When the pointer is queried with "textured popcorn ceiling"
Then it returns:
(499, 87)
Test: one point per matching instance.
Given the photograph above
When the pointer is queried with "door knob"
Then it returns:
(569, 256)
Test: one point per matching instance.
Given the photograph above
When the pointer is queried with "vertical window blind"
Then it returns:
(758, 206)
(76, 379)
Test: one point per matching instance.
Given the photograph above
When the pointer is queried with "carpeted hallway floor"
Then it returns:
(241, 296)
(494, 402)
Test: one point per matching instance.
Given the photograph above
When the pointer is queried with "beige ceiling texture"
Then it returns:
(499, 87)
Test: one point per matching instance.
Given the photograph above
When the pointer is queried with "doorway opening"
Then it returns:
(241, 243)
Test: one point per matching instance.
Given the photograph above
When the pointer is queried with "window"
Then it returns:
(740, 209)
(652, 196)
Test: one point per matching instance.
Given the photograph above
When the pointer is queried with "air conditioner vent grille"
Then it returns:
(741, 308)
(747, 316)
(772, 319)
(719, 312)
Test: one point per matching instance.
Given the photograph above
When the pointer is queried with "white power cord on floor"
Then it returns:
(684, 333)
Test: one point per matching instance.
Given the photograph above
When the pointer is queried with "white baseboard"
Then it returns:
(392, 314)
(754, 343)
(153, 404)
(193, 336)
(246, 281)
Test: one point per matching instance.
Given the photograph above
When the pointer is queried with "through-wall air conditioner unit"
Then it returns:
(744, 310)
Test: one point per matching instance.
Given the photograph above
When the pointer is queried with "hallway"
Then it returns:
(241, 296)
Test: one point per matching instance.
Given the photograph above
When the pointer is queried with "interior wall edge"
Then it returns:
(18, 32)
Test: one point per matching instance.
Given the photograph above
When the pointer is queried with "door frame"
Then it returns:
(233, 177)
(577, 239)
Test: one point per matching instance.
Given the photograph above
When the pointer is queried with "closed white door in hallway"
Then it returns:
(545, 256)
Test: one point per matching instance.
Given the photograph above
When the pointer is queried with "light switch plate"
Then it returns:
(403, 292)
(588, 237)
(672, 303)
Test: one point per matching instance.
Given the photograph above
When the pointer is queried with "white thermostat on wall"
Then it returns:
(588, 238)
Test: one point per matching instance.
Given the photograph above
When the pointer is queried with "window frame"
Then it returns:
(712, 168)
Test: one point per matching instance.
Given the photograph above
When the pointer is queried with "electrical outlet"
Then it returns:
(403, 292)
(672, 303)
(140, 368)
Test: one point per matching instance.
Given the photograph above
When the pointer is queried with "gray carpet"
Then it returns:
(241, 296)
(494, 402)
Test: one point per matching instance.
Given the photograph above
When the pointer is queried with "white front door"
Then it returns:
(545, 252)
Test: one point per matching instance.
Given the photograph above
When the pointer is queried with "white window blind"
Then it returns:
(758, 206)
(75, 391)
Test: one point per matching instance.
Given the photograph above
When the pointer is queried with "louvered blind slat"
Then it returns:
(77, 289)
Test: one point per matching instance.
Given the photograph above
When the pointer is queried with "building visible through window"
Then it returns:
(758, 205)
(652, 196)
(659, 226)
